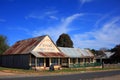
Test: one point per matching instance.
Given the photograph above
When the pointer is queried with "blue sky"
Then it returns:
(90, 23)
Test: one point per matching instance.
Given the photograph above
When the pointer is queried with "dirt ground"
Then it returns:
(6, 73)
(116, 77)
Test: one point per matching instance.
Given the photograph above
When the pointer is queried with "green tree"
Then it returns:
(64, 40)
(93, 51)
(3, 44)
(116, 49)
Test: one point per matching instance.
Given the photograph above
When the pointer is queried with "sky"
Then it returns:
(91, 24)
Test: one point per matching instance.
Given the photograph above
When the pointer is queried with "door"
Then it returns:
(47, 62)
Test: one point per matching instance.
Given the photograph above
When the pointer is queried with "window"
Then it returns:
(87, 60)
(32, 61)
(91, 60)
(40, 61)
(80, 60)
(64, 60)
(73, 60)
(54, 61)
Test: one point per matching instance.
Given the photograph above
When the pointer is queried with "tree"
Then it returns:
(3, 44)
(64, 40)
(93, 51)
(98, 52)
(116, 49)
(104, 49)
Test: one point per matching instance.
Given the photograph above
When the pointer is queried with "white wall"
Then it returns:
(46, 45)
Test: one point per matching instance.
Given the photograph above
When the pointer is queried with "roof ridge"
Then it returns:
(24, 46)
(31, 38)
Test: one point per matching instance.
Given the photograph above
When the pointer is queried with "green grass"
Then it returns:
(47, 72)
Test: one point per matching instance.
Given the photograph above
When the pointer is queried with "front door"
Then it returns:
(47, 62)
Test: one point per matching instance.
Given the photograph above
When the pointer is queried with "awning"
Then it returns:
(48, 54)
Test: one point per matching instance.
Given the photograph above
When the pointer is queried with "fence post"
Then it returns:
(102, 65)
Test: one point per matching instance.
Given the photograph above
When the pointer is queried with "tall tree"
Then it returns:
(3, 44)
(64, 40)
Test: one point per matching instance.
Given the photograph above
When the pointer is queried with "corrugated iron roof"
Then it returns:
(106, 55)
(109, 54)
(76, 52)
(90, 53)
(48, 54)
(24, 46)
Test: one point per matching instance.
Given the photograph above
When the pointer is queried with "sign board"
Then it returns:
(46, 45)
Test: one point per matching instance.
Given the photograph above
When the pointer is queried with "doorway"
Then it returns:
(47, 62)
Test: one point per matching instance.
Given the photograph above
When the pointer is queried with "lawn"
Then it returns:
(47, 72)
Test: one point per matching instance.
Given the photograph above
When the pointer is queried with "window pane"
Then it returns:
(40, 61)
(54, 61)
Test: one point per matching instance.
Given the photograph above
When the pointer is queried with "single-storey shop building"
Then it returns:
(41, 52)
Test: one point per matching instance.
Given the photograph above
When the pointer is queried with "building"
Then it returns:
(76, 56)
(41, 52)
(32, 53)
(105, 58)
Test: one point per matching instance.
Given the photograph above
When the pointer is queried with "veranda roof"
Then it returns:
(48, 54)
(76, 52)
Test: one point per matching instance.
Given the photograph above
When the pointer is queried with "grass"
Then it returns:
(47, 72)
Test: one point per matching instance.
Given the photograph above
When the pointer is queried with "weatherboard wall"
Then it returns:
(15, 61)
(46, 45)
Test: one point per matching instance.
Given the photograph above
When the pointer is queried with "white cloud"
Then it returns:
(106, 36)
(53, 17)
(54, 32)
(100, 20)
(51, 12)
(34, 16)
(42, 15)
(85, 1)
(21, 29)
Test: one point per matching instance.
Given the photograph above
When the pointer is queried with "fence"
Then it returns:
(84, 65)
(112, 65)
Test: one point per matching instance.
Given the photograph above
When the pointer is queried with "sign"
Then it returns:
(46, 45)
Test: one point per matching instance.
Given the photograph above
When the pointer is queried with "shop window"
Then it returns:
(32, 61)
(54, 61)
(73, 60)
(87, 60)
(65, 60)
(40, 61)
(91, 59)
(80, 60)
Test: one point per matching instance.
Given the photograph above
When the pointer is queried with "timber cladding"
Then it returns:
(15, 61)
(42, 52)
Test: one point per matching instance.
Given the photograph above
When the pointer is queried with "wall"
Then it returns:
(46, 45)
(112, 65)
(15, 61)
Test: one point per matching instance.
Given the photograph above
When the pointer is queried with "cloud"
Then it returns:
(41, 15)
(21, 29)
(84, 1)
(106, 36)
(55, 31)
(51, 12)
(53, 17)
